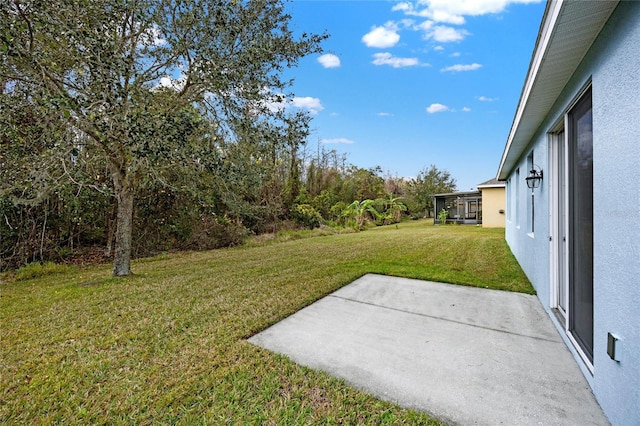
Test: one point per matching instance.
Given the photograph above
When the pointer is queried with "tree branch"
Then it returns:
(27, 21)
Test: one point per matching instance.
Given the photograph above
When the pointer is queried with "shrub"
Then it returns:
(216, 232)
(337, 211)
(442, 216)
(306, 215)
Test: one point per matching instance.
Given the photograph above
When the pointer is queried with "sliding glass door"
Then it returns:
(580, 185)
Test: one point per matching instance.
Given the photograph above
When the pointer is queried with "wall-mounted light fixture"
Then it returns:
(534, 178)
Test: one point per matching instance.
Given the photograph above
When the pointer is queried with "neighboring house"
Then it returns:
(492, 203)
(577, 234)
(462, 207)
(484, 206)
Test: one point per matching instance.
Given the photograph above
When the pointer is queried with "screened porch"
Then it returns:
(461, 207)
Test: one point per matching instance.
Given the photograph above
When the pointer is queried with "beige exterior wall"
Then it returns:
(492, 203)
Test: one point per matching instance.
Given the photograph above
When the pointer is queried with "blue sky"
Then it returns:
(406, 84)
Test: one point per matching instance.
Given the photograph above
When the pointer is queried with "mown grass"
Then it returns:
(167, 345)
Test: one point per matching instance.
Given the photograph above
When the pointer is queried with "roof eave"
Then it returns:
(537, 98)
(549, 18)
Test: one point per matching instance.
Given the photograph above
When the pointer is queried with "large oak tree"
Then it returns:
(126, 84)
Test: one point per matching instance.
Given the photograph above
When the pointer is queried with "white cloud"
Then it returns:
(172, 83)
(278, 102)
(438, 48)
(313, 105)
(455, 55)
(445, 17)
(382, 37)
(450, 12)
(424, 26)
(466, 109)
(440, 33)
(472, 7)
(386, 58)
(384, 114)
(486, 99)
(462, 67)
(329, 60)
(337, 141)
(437, 15)
(403, 7)
(454, 11)
(444, 34)
(408, 23)
(434, 108)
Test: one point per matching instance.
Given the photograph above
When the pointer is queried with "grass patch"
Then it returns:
(36, 270)
(167, 345)
(288, 235)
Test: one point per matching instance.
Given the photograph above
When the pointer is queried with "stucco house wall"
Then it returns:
(611, 67)
(493, 208)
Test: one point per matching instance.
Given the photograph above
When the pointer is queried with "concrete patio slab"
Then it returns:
(465, 355)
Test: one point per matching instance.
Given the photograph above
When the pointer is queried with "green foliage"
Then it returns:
(323, 202)
(429, 181)
(442, 216)
(327, 171)
(363, 184)
(307, 215)
(66, 219)
(394, 208)
(144, 91)
(337, 211)
(235, 195)
(380, 217)
(359, 212)
(202, 162)
(382, 211)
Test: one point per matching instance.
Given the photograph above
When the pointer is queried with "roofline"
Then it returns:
(493, 185)
(551, 68)
(549, 19)
(457, 193)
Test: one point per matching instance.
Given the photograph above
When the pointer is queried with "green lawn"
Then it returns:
(167, 345)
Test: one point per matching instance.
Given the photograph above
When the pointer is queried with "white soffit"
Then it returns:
(568, 29)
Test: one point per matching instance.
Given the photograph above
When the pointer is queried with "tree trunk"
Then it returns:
(124, 232)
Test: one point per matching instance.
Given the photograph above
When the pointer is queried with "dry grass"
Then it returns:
(167, 345)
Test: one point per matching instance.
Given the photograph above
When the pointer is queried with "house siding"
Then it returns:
(492, 203)
(611, 65)
(616, 116)
(521, 241)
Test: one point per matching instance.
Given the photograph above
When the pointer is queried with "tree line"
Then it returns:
(217, 209)
(155, 125)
